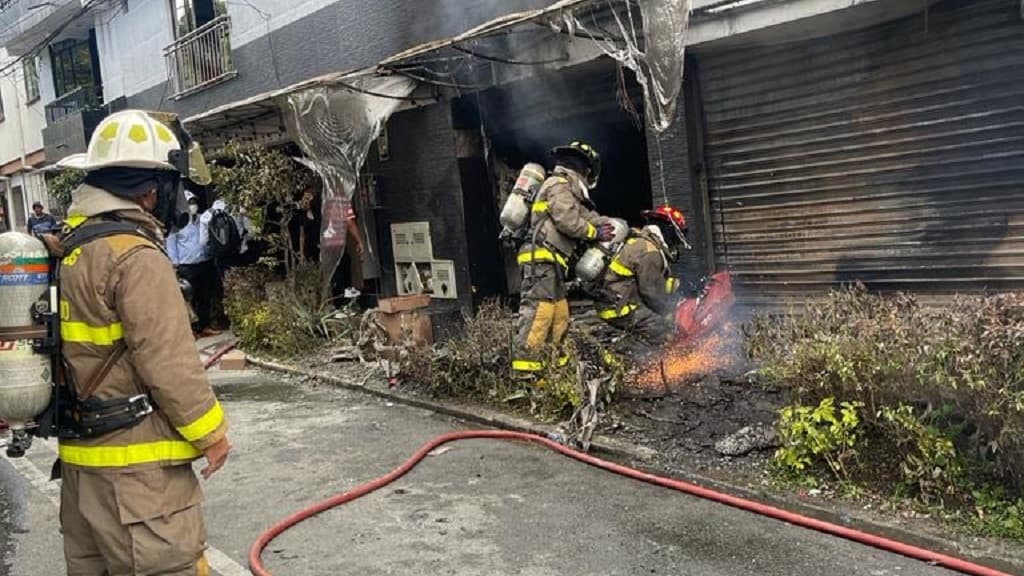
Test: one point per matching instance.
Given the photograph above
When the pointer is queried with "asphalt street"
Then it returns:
(478, 508)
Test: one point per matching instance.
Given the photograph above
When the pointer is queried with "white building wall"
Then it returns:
(131, 45)
(21, 134)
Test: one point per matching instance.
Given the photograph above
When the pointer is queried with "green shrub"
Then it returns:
(942, 389)
(61, 186)
(930, 467)
(822, 433)
(283, 318)
(996, 515)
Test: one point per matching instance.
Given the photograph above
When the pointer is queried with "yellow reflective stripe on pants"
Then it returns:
(620, 269)
(203, 425)
(671, 285)
(527, 366)
(618, 313)
(541, 255)
(82, 333)
(563, 361)
(130, 455)
(541, 206)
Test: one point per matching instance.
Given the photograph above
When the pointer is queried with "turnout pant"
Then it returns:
(543, 316)
(138, 523)
(644, 323)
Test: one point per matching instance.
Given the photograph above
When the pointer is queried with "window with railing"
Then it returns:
(200, 58)
(82, 98)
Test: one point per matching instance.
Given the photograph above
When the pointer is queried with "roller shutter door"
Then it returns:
(892, 156)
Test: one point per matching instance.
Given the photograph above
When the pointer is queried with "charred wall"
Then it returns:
(420, 182)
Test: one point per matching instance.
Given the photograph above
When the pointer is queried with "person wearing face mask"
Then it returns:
(187, 249)
(130, 500)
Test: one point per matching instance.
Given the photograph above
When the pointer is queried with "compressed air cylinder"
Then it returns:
(516, 212)
(25, 377)
(591, 266)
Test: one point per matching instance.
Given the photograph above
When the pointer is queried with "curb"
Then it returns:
(635, 453)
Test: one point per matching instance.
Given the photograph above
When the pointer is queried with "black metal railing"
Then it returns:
(200, 58)
(81, 98)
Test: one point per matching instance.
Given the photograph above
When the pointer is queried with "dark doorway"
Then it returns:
(593, 103)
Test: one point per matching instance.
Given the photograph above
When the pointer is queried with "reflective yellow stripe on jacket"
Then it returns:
(204, 425)
(618, 312)
(131, 455)
(82, 333)
(541, 206)
(541, 255)
(620, 269)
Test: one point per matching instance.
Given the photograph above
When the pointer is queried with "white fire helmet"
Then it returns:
(127, 139)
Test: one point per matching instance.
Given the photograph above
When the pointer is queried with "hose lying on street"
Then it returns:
(212, 360)
(925, 555)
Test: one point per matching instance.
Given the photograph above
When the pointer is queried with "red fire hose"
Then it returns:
(960, 565)
(212, 360)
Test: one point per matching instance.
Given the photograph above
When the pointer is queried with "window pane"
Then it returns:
(31, 79)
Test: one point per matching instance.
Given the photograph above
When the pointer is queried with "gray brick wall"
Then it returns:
(678, 161)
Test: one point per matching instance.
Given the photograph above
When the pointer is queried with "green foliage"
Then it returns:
(822, 433)
(271, 317)
(930, 466)
(996, 515)
(960, 368)
(939, 395)
(255, 177)
(61, 186)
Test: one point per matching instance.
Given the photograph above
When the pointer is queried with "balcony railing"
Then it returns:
(83, 98)
(201, 58)
(26, 23)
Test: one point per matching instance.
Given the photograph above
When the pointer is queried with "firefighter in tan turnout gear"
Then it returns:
(130, 501)
(561, 217)
(638, 293)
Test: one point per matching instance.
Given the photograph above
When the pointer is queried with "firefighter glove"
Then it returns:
(606, 232)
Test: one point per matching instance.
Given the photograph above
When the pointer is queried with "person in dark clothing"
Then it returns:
(187, 249)
(40, 222)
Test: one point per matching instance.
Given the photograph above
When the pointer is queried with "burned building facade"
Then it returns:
(813, 144)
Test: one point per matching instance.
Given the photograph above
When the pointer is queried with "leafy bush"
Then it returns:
(809, 435)
(61, 186)
(929, 464)
(941, 388)
(280, 318)
(254, 177)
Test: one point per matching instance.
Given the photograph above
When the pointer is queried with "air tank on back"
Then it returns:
(516, 212)
(25, 376)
